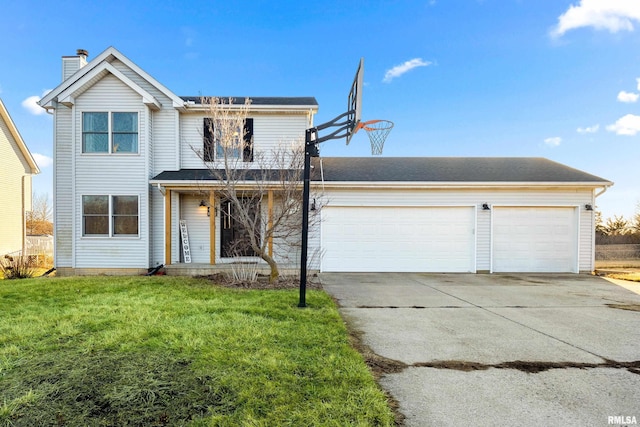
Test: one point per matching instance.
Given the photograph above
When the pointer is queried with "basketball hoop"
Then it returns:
(377, 130)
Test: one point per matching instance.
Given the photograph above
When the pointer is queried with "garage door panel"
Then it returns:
(398, 239)
(538, 239)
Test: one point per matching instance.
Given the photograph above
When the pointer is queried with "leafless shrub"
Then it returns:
(17, 267)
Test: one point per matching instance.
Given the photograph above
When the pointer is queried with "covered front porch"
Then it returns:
(199, 226)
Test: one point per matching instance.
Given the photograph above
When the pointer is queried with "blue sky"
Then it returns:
(541, 78)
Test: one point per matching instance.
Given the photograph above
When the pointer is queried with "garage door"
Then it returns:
(398, 239)
(534, 239)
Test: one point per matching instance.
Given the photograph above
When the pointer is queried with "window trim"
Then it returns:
(211, 149)
(110, 134)
(111, 234)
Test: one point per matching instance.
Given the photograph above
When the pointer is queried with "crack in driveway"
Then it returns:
(510, 320)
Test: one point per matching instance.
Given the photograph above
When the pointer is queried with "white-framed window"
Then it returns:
(110, 216)
(109, 132)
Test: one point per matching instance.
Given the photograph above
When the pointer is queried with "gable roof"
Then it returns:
(451, 170)
(26, 154)
(100, 64)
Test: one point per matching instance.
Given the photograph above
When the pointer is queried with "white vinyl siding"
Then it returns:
(269, 133)
(63, 187)
(14, 182)
(197, 227)
(125, 175)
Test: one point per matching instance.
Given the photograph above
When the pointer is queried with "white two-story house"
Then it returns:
(128, 170)
(129, 166)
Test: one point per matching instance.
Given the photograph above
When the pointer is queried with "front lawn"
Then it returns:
(156, 351)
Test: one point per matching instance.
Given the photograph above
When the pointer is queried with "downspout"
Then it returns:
(600, 193)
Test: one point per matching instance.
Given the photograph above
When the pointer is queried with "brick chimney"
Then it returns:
(71, 64)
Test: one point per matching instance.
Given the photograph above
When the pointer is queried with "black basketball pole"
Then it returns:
(344, 125)
(308, 146)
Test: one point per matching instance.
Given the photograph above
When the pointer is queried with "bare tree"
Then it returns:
(634, 226)
(616, 226)
(39, 217)
(248, 180)
(599, 223)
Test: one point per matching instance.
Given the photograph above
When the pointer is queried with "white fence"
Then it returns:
(40, 247)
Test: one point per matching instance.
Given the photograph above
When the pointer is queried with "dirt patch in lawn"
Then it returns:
(379, 366)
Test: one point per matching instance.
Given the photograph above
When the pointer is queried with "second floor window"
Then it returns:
(240, 145)
(104, 132)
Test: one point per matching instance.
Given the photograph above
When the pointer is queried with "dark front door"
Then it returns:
(234, 238)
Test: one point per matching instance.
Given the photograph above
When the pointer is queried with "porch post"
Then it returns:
(212, 227)
(270, 220)
(167, 227)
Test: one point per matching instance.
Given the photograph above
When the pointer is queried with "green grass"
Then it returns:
(155, 351)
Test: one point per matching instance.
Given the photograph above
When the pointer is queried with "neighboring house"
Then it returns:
(127, 172)
(16, 171)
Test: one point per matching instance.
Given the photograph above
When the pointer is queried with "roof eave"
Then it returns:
(48, 101)
(24, 150)
(460, 185)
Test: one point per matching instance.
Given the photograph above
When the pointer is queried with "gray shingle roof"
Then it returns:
(420, 169)
(262, 100)
(208, 175)
(449, 169)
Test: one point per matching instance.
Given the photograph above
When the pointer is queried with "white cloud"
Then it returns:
(628, 97)
(627, 125)
(31, 104)
(553, 141)
(399, 70)
(42, 160)
(589, 129)
(611, 15)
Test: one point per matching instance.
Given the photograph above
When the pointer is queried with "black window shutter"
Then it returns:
(247, 152)
(208, 148)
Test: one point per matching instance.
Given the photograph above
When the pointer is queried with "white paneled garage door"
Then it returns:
(535, 239)
(398, 239)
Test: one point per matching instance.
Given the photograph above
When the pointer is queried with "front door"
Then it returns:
(234, 238)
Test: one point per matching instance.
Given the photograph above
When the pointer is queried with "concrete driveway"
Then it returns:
(494, 350)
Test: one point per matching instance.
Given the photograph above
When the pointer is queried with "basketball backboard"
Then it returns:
(354, 101)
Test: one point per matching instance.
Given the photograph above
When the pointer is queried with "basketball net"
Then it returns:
(377, 130)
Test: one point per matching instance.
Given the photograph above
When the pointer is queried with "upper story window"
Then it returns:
(239, 147)
(109, 216)
(104, 132)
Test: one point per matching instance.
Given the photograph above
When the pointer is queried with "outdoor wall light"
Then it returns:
(588, 207)
(203, 204)
(485, 207)
(313, 205)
